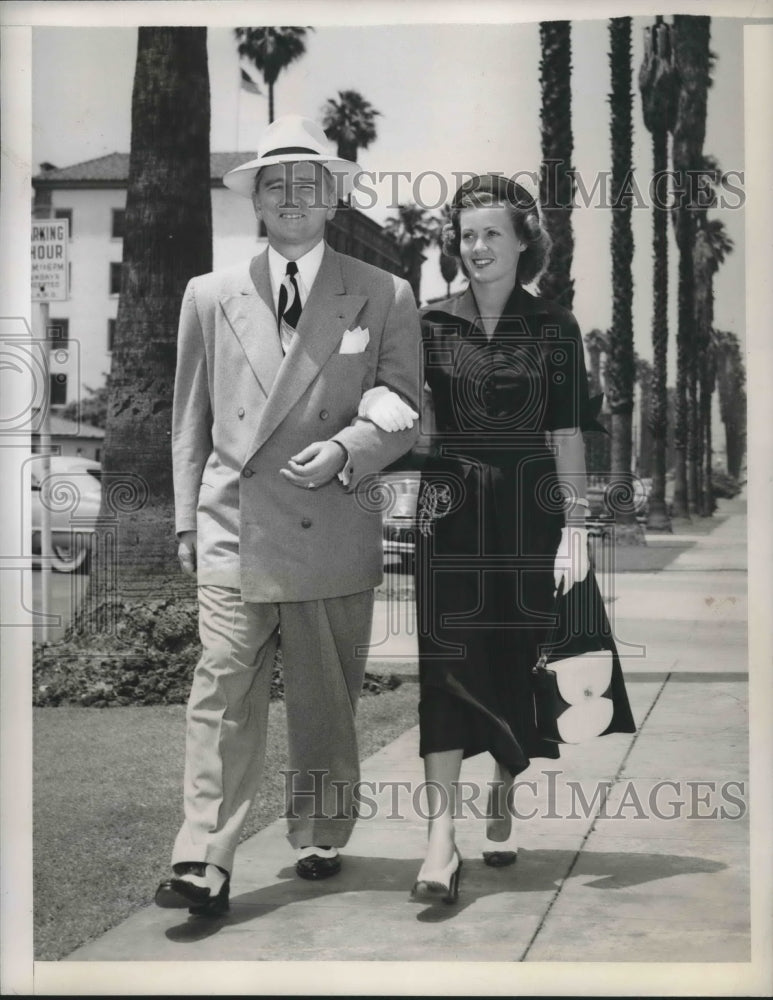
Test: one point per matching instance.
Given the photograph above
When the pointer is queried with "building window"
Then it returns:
(64, 213)
(58, 389)
(59, 331)
(115, 278)
(119, 216)
(110, 333)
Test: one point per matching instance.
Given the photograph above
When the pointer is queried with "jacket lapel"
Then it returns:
(328, 312)
(250, 314)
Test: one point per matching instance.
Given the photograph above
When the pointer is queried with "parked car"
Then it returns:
(72, 492)
(399, 519)
(601, 496)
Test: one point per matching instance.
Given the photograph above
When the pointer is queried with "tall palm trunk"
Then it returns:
(708, 383)
(693, 430)
(684, 347)
(168, 238)
(620, 362)
(711, 248)
(731, 379)
(556, 180)
(691, 50)
(658, 519)
(705, 265)
(657, 82)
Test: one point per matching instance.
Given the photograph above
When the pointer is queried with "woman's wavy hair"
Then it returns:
(492, 189)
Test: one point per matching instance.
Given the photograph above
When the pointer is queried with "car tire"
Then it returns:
(71, 557)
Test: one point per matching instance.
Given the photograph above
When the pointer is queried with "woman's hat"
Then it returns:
(503, 189)
(291, 139)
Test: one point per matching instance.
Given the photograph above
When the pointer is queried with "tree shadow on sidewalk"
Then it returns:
(537, 871)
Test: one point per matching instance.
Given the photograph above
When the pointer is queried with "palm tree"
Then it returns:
(556, 180)
(690, 36)
(413, 231)
(642, 437)
(449, 266)
(731, 389)
(712, 245)
(596, 344)
(597, 445)
(350, 123)
(270, 50)
(658, 85)
(621, 370)
(168, 238)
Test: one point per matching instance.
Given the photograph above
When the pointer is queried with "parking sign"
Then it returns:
(49, 260)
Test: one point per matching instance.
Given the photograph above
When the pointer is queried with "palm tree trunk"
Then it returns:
(706, 508)
(556, 181)
(693, 434)
(620, 364)
(683, 347)
(270, 103)
(168, 238)
(691, 47)
(734, 448)
(658, 519)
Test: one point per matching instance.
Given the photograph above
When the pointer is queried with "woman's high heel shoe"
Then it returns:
(442, 884)
(501, 853)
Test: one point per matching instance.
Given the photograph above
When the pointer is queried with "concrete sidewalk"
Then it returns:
(659, 873)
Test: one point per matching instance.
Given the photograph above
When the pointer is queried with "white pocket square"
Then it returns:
(354, 341)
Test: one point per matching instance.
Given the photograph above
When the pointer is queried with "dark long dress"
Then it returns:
(490, 521)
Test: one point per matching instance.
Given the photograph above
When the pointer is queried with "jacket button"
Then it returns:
(306, 522)
(247, 473)
(323, 414)
(240, 412)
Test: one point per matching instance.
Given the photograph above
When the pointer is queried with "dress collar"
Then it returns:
(463, 306)
(308, 268)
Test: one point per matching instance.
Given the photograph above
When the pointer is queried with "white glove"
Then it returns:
(572, 559)
(386, 409)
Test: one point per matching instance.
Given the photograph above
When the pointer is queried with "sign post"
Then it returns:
(50, 283)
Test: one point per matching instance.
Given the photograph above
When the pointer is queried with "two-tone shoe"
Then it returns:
(201, 888)
(315, 863)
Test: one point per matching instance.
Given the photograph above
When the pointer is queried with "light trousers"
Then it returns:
(227, 718)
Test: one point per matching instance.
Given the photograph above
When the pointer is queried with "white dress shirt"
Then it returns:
(308, 267)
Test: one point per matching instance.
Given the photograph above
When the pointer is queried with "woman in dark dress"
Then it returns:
(500, 514)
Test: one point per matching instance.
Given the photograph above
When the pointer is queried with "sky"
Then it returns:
(452, 98)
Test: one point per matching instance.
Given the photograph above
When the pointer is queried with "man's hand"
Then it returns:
(186, 552)
(315, 465)
(572, 559)
(386, 409)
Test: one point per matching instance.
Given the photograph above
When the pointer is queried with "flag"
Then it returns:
(249, 84)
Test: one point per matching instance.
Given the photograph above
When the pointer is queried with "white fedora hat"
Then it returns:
(290, 139)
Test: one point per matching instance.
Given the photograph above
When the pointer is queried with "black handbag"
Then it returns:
(572, 693)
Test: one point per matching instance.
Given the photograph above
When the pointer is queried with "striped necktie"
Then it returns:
(289, 306)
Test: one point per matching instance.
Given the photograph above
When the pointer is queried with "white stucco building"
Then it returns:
(92, 195)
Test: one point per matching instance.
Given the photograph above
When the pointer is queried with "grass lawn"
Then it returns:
(108, 804)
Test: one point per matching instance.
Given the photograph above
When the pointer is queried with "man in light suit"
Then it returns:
(275, 359)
